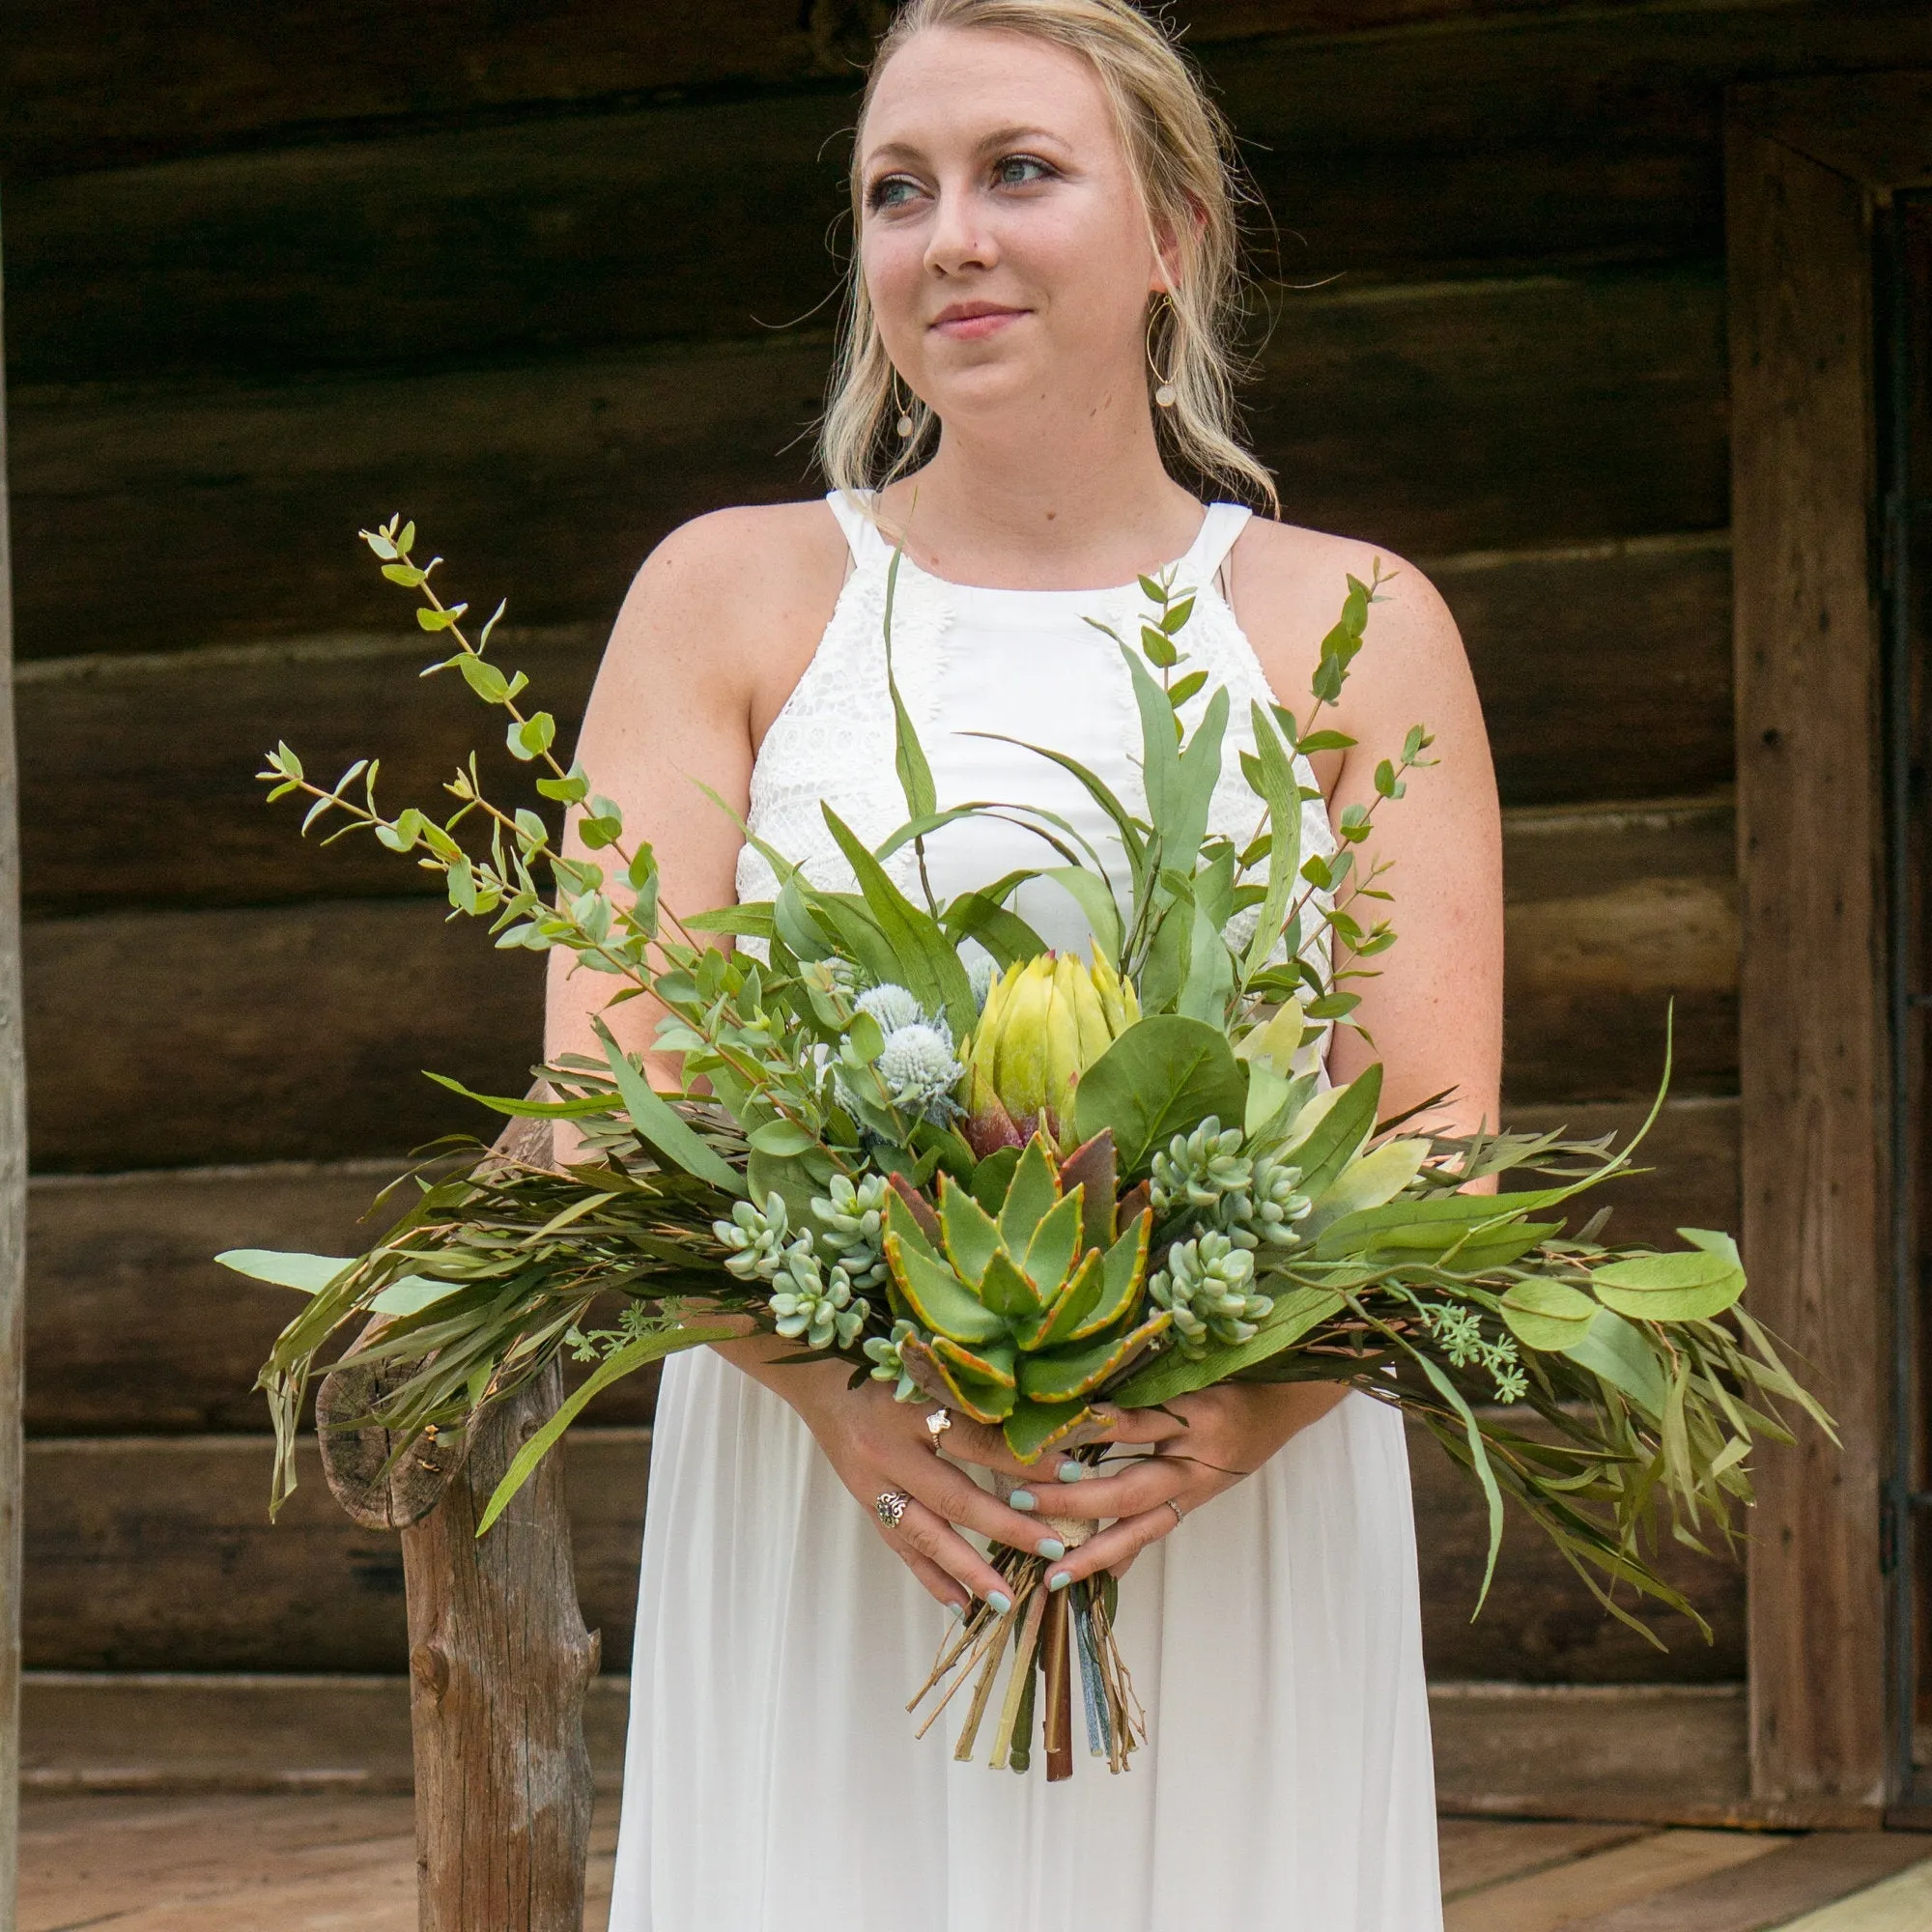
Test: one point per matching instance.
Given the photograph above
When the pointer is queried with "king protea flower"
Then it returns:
(1045, 1023)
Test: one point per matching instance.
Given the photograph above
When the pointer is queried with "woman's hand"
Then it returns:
(1203, 1443)
(877, 1444)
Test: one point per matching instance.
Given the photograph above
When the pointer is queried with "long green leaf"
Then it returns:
(908, 754)
(634, 1355)
(662, 1126)
(1281, 794)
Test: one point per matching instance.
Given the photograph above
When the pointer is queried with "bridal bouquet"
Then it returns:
(1018, 1184)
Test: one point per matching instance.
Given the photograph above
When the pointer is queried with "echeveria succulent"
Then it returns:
(1026, 1300)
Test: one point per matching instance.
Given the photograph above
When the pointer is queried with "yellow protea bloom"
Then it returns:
(1045, 1021)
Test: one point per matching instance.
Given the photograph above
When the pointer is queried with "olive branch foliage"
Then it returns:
(1646, 1381)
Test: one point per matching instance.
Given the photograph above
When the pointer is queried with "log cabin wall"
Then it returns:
(552, 280)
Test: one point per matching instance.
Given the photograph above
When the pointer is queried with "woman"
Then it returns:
(1042, 289)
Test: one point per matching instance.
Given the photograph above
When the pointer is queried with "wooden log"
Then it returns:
(12, 1228)
(183, 515)
(157, 1553)
(439, 239)
(1609, 916)
(87, 88)
(1605, 671)
(499, 1659)
(133, 1330)
(293, 1034)
(1813, 1049)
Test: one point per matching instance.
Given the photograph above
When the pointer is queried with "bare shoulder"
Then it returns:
(751, 565)
(1289, 586)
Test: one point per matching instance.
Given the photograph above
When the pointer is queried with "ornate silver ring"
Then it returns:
(891, 1507)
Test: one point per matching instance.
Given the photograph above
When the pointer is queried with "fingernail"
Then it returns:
(1051, 1547)
(1073, 1472)
(1023, 1499)
(999, 1602)
(1060, 1579)
(957, 1613)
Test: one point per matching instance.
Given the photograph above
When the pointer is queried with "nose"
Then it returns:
(958, 239)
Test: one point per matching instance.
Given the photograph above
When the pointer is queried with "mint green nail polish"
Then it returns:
(957, 1613)
(1051, 1547)
(1023, 1499)
(1060, 1579)
(1000, 1602)
(1073, 1472)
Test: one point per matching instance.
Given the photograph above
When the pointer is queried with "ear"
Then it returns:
(1170, 253)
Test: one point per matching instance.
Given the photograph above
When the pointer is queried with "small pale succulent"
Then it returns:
(1209, 1288)
(1198, 1169)
(1269, 1208)
(853, 1217)
(1025, 1302)
(813, 1303)
(888, 1364)
(757, 1237)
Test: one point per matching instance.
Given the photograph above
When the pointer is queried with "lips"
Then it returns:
(971, 321)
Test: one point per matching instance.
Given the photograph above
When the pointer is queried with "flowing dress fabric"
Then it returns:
(773, 1782)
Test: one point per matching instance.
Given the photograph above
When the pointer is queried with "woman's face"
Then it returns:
(1004, 240)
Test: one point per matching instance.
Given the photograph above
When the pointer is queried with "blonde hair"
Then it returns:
(1180, 150)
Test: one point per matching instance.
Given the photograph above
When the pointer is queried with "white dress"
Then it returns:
(773, 1782)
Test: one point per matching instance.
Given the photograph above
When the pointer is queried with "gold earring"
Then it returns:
(1163, 387)
(906, 422)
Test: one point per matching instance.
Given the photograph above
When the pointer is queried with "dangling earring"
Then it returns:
(906, 422)
(1163, 390)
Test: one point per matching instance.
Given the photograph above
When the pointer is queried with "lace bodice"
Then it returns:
(1020, 665)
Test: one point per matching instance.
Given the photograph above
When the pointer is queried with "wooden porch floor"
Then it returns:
(327, 1864)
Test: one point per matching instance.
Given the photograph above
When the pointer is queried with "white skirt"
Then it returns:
(773, 1782)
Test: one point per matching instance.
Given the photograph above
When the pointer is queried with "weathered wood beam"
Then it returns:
(133, 1330)
(296, 1033)
(157, 1553)
(1813, 1047)
(173, 515)
(87, 88)
(1605, 671)
(12, 1225)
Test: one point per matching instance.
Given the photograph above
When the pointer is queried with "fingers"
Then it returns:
(1142, 1425)
(934, 1580)
(969, 1442)
(1129, 1488)
(921, 1533)
(958, 1498)
(1117, 1546)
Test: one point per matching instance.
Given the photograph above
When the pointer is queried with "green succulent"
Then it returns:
(1027, 1298)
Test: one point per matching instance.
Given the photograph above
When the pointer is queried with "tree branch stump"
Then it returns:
(500, 1661)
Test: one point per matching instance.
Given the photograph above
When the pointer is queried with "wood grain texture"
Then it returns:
(246, 1035)
(164, 516)
(1609, 916)
(133, 1330)
(12, 1219)
(1812, 1052)
(157, 1553)
(488, 233)
(1798, 1877)
(89, 88)
(1560, 1898)
(1875, 128)
(499, 1661)
(1902, 1903)
(1480, 1852)
(1605, 673)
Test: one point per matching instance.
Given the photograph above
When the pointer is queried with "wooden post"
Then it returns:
(499, 1661)
(1812, 1051)
(12, 1235)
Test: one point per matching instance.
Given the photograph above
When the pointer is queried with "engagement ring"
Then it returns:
(937, 1424)
(890, 1506)
(1175, 1508)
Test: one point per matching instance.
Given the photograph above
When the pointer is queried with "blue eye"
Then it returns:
(1020, 171)
(891, 191)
